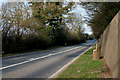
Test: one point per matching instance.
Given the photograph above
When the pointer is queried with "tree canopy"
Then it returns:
(100, 15)
(39, 25)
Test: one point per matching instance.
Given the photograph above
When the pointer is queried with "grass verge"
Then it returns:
(86, 67)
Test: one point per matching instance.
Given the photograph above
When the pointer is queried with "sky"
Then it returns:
(80, 12)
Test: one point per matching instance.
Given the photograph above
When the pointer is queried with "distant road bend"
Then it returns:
(41, 64)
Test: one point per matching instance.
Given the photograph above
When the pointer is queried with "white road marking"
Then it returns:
(33, 59)
(65, 66)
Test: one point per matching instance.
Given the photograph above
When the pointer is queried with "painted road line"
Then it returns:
(65, 66)
(28, 53)
(33, 59)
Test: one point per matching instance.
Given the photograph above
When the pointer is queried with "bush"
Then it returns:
(73, 38)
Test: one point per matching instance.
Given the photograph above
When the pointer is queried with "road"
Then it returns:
(41, 64)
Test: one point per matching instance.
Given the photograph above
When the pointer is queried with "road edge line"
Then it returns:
(65, 66)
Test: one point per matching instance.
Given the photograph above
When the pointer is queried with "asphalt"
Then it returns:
(41, 64)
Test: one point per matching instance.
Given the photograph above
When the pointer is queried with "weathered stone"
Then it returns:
(94, 54)
(110, 46)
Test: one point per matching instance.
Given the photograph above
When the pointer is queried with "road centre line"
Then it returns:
(33, 59)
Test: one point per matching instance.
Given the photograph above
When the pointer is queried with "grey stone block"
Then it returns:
(110, 45)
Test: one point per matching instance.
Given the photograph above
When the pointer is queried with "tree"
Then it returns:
(100, 15)
(52, 14)
(38, 26)
(12, 16)
(75, 24)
